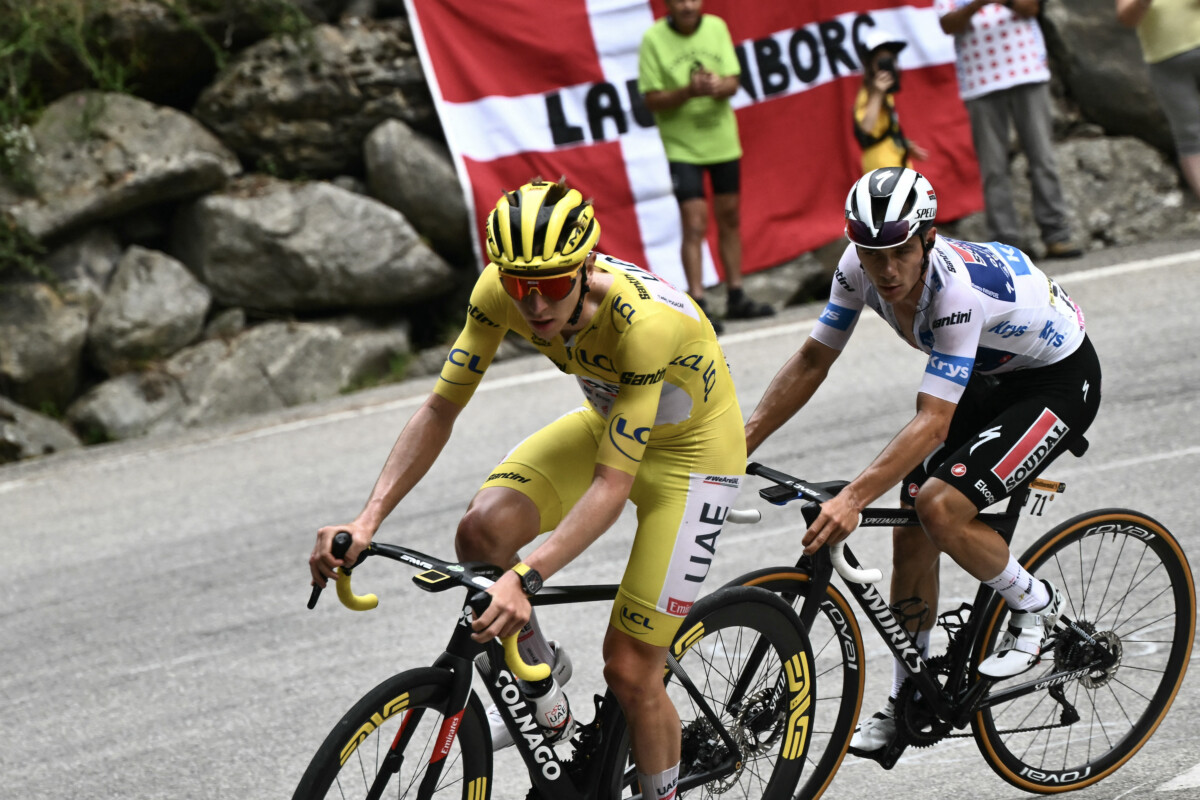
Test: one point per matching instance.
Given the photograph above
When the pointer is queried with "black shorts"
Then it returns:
(1008, 427)
(687, 180)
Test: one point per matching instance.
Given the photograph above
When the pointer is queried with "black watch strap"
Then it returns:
(531, 579)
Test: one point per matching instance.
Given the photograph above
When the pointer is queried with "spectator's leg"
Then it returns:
(1031, 113)
(727, 211)
(1176, 83)
(694, 218)
(989, 130)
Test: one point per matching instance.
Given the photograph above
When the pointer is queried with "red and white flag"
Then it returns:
(546, 88)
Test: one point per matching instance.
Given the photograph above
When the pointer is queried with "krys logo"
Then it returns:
(625, 437)
(953, 368)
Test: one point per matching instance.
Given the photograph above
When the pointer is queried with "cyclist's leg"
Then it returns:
(526, 494)
(682, 496)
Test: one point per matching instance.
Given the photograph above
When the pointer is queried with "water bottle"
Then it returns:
(553, 712)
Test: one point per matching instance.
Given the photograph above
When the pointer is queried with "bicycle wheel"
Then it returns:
(838, 666)
(1124, 580)
(354, 762)
(767, 712)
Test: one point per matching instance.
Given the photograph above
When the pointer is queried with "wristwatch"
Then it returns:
(531, 579)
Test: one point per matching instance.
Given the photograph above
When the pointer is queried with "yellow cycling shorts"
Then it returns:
(682, 494)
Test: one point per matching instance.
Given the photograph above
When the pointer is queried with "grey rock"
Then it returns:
(41, 345)
(302, 105)
(104, 154)
(84, 266)
(268, 244)
(26, 434)
(130, 405)
(154, 308)
(414, 175)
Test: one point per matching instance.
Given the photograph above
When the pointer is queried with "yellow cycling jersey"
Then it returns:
(649, 362)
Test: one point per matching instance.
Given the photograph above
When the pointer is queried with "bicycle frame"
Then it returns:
(463, 656)
(962, 696)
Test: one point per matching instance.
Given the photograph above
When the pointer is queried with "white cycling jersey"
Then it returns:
(985, 308)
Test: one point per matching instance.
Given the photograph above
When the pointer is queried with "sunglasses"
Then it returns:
(553, 288)
(890, 233)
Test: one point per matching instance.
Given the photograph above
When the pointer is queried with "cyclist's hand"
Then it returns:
(838, 519)
(508, 612)
(322, 564)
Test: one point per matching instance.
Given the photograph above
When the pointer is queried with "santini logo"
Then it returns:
(953, 319)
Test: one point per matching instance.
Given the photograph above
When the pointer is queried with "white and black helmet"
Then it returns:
(887, 206)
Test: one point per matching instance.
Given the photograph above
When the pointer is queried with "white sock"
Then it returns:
(1019, 588)
(660, 786)
(898, 673)
(532, 643)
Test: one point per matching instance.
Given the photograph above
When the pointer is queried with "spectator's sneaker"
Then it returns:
(718, 328)
(1063, 250)
(746, 308)
(875, 732)
(561, 671)
(1022, 643)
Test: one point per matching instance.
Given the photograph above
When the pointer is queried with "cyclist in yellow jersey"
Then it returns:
(660, 426)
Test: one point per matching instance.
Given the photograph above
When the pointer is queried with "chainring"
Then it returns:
(915, 721)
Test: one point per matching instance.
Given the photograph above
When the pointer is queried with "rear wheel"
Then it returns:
(765, 710)
(385, 745)
(1126, 582)
(837, 648)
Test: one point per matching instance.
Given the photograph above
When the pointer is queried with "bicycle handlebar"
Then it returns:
(461, 574)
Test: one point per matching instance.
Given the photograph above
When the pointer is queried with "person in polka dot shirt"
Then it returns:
(1003, 78)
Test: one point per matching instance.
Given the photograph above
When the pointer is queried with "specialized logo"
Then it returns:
(953, 319)
(838, 317)
(956, 369)
(1031, 449)
(985, 437)
(958, 470)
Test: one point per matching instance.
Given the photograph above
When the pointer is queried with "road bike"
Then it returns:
(423, 733)
(1104, 682)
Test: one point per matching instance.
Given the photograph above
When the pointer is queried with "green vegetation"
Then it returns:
(396, 370)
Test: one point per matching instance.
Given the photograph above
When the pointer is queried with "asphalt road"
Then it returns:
(155, 641)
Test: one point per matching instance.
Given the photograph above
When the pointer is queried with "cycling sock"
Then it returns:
(532, 644)
(898, 673)
(660, 786)
(1020, 590)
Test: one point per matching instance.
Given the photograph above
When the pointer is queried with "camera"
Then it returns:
(888, 64)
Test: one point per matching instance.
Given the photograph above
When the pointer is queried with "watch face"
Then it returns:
(531, 581)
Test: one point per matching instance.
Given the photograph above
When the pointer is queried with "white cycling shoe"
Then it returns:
(1022, 643)
(561, 671)
(875, 732)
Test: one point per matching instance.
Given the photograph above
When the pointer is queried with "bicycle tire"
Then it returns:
(346, 764)
(772, 732)
(837, 644)
(1124, 575)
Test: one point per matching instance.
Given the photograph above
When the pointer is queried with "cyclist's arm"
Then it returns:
(915, 441)
(789, 390)
(1130, 12)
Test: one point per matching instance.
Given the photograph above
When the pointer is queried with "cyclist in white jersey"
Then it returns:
(1011, 381)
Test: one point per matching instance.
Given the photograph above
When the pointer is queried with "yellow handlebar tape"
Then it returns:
(349, 599)
(529, 673)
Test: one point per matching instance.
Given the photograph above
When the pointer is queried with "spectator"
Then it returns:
(687, 71)
(876, 123)
(1169, 31)
(1002, 85)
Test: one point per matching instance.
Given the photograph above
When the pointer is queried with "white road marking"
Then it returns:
(1188, 780)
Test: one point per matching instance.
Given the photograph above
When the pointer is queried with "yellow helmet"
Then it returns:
(542, 227)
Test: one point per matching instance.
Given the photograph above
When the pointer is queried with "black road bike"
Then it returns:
(423, 733)
(1105, 681)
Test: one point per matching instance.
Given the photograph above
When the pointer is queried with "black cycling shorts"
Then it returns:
(687, 180)
(1008, 427)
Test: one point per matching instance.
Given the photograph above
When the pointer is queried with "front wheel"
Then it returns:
(750, 662)
(389, 745)
(1126, 582)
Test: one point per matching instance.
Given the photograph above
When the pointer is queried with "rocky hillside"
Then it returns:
(211, 208)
